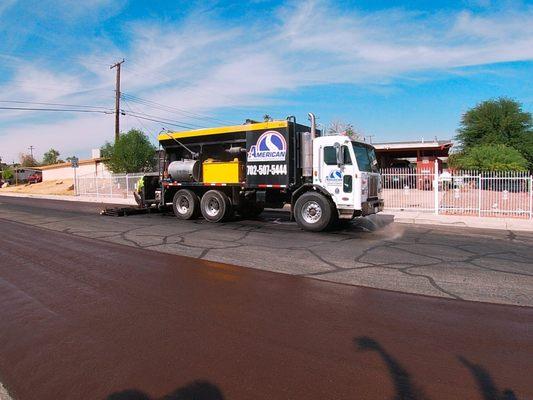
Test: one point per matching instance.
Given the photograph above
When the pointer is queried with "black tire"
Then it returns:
(313, 212)
(335, 222)
(216, 206)
(186, 204)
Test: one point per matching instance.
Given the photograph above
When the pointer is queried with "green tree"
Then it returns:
(489, 157)
(7, 173)
(499, 121)
(132, 152)
(51, 157)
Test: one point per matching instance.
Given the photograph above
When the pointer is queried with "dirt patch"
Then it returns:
(58, 187)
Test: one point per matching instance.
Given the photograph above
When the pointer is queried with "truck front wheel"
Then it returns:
(186, 204)
(215, 206)
(313, 212)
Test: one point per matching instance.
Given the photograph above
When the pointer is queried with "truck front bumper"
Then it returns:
(372, 206)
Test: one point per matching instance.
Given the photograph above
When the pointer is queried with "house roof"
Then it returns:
(411, 145)
(68, 164)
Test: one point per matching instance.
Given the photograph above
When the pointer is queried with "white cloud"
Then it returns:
(201, 64)
(5, 5)
(77, 135)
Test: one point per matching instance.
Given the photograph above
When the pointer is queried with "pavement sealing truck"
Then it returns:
(217, 172)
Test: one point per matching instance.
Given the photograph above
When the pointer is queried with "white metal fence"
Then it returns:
(499, 194)
(107, 186)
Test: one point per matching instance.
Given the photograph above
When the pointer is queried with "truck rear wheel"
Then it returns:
(313, 212)
(186, 204)
(215, 206)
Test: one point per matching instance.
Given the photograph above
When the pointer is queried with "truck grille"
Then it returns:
(373, 185)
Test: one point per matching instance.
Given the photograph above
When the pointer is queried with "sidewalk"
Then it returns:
(83, 199)
(427, 218)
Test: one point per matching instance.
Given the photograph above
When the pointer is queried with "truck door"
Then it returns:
(337, 173)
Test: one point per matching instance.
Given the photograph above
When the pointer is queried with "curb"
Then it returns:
(522, 225)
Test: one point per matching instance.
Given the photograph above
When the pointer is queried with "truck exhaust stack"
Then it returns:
(307, 148)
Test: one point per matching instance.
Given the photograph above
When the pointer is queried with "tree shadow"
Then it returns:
(196, 390)
(404, 387)
(486, 384)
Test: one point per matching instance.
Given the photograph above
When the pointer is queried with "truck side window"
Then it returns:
(347, 183)
(330, 155)
(346, 155)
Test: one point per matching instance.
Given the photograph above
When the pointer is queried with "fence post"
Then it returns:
(96, 185)
(531, 197)
(75, 183)
(127, 185)
(436, 187)
(479, 188)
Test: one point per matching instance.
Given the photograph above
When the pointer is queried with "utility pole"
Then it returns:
(117, 99)
(370, 138)
(31, 151)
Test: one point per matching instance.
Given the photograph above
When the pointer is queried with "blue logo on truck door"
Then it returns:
(335, 174)
(271, 146)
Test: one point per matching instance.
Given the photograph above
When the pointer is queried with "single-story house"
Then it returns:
(93, 166)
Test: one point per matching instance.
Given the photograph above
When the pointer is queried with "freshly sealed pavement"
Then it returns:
(83, 318)
(461, 263)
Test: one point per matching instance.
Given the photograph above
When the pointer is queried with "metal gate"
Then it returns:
(498, 194)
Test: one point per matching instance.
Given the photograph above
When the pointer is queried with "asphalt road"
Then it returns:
(451, 262)
(84, 318)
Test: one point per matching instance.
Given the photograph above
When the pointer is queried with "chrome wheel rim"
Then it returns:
(212, 207)
(183, 205)
(311, 212)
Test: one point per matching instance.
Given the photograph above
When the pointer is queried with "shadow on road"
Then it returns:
(197, 390)
(403, 384)
(486, 384)
(406, 389)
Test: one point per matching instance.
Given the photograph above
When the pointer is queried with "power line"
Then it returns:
(189, 125)
(153, 104)
(54, 109)
(140, 121)
(205, 89)
(52, 104)
(173, 108)
(157, 120)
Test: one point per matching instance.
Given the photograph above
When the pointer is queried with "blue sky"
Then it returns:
(394, 71)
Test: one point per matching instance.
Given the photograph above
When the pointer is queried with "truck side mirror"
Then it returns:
(340, 154)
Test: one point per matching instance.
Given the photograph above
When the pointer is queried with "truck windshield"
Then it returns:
(366, 157)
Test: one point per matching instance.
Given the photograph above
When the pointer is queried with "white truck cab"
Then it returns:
(347, 171)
